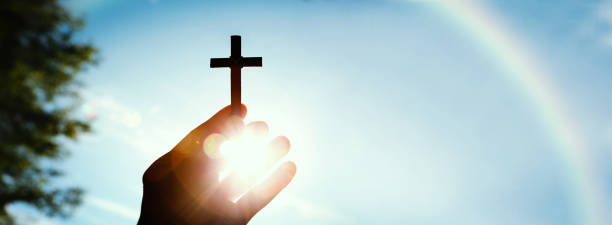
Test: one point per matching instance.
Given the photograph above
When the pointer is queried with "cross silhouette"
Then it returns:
(235, 62)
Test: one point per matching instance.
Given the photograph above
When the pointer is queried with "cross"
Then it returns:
(235, 62)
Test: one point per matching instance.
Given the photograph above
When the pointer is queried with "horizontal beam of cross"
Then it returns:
(235, 62)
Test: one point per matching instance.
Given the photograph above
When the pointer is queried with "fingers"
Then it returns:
(225, 113)
(262, 194)
(252, 168)
(213, 142)
(276, 149)
(222, 115)
(230, 187)
(257, 129)
(233, 127)
(189, 152)
(220, 122)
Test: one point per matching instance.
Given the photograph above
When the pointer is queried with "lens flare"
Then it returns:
(89, 110)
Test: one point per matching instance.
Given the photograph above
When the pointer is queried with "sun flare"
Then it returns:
(243, 155)
(246, 159)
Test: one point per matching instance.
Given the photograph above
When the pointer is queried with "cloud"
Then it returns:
(608, 39)
(605, 11)
(117, 112)
(113, 115)
(609, 133)
(38, 220)
(107, 107)
(604, 15)
(113, 207)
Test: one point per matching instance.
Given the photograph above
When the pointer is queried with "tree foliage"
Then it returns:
(39, 59)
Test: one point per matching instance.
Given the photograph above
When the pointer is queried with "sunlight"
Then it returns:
(244, 155)
(246, 159)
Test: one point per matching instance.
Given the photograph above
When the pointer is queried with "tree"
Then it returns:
(39, 59)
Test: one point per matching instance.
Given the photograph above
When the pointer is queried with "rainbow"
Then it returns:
(512, 55)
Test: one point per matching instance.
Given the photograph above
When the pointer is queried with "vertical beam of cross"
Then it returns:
(236, 75)
(235, 62)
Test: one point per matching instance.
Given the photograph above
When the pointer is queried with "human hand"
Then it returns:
(183, 187)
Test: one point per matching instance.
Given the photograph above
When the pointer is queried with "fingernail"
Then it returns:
(290, 168)
(281, 143)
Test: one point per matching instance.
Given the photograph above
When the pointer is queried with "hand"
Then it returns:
(183, 187)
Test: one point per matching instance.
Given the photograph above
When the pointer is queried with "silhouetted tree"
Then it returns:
(39, 58)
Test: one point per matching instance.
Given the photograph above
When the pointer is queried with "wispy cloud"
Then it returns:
(608, 133)
(108, 108)
(112, 115)
(119, 113)
(38, 220)
(604, 15)
(113, 207)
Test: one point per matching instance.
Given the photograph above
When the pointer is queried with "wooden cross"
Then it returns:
(235, 62)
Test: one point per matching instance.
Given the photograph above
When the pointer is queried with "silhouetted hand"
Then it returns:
(183, 187)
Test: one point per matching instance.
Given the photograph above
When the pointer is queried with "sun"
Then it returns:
(247, 158)
(244, 155)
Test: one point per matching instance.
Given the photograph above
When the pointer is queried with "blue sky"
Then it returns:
(396, 114)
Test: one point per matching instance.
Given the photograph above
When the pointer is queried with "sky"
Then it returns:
(398, 111)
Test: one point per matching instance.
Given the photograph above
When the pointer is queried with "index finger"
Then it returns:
(194, 141)
(216, 123)
(260, 195)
